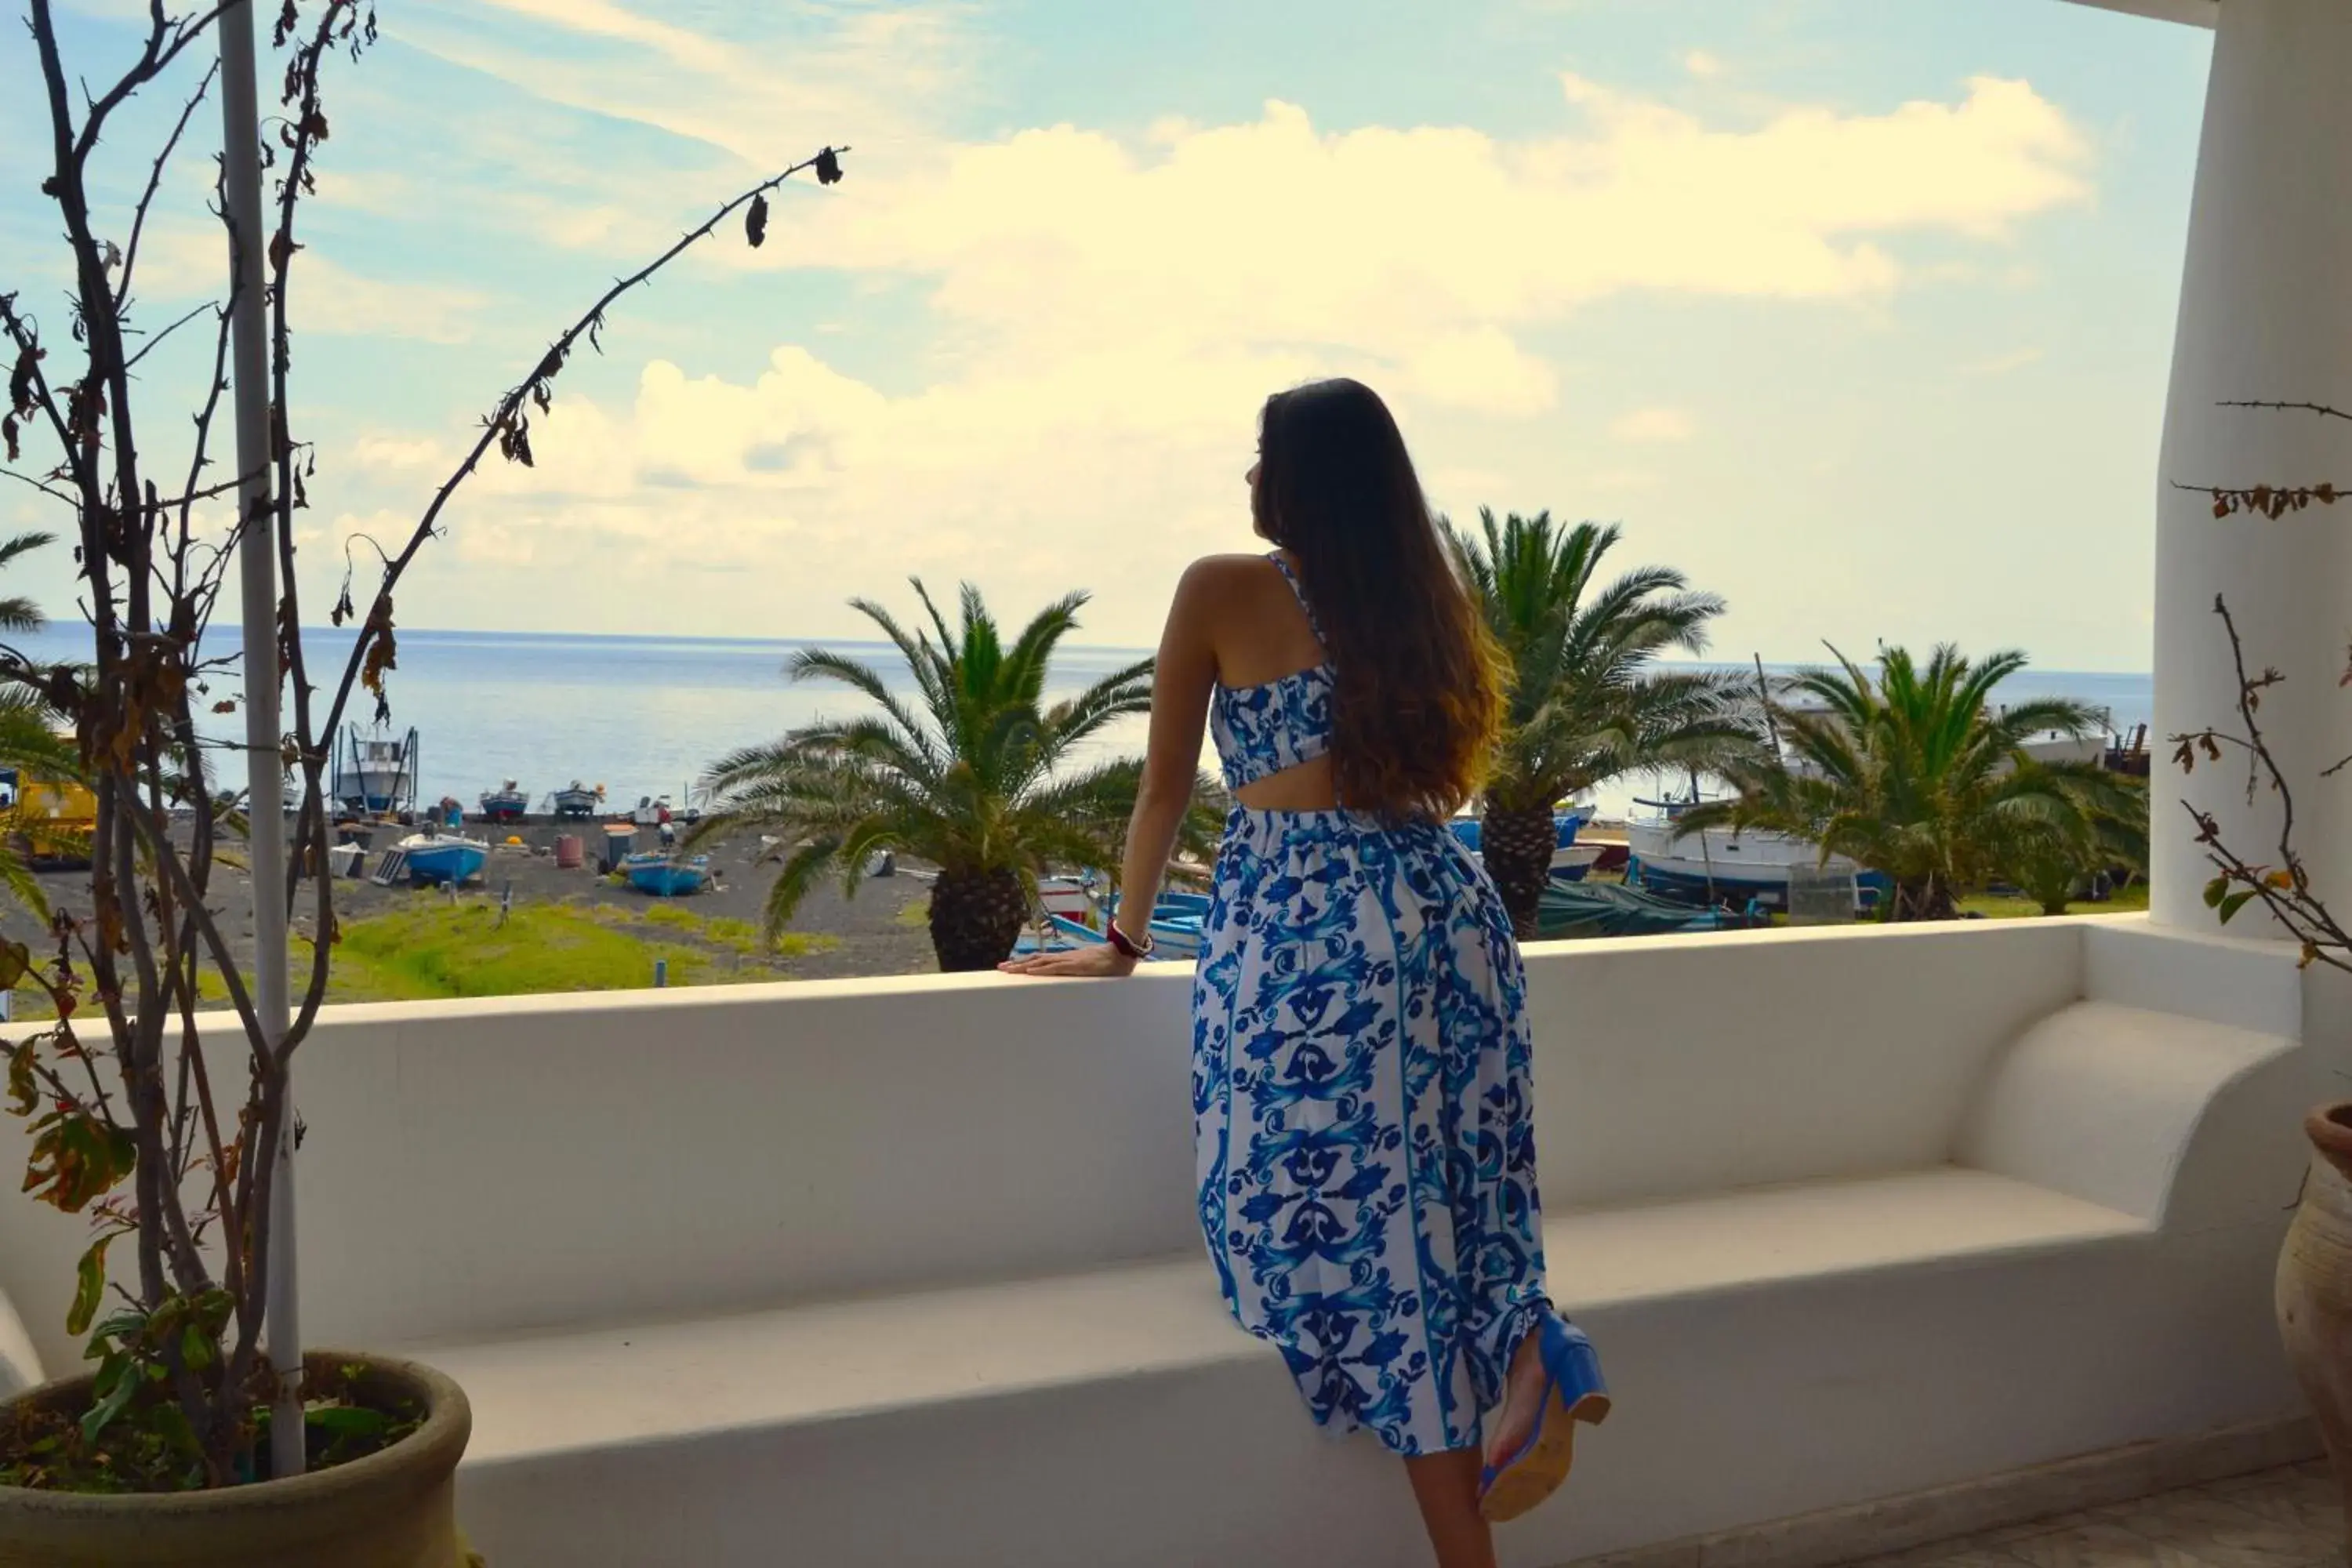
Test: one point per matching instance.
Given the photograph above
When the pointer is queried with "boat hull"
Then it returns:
(667, 877)
(1720, 866)
(427, 861)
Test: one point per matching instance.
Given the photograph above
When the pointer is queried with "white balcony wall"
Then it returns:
(474, 1168)
(1853, 1214)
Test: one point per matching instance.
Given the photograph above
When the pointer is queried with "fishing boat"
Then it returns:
(1071, 898)
(1175, 925)
(667, 876)
(1604, 909)
(1727, 866)
(507, 803)
(375, 771)
(1057, 934)
(1569, 860)
(431, 859)
(577, 799)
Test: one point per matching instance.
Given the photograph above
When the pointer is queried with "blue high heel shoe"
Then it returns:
(1573, 1391)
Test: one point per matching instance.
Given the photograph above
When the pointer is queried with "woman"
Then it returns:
(1362, 1115)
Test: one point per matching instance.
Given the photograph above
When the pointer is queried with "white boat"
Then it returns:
(577, 799)
(375, 771)
(1721, 866)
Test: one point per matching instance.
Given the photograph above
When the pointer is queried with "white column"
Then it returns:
(2265, 312)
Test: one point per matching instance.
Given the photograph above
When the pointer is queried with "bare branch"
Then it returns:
(157, 341)
(154, 181)
(2322, 409)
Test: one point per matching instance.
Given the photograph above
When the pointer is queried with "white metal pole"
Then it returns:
(265, 773)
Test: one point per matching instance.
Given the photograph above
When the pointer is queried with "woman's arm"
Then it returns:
(1182, 676)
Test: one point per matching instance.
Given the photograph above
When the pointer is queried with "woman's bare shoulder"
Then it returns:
(1214, 571)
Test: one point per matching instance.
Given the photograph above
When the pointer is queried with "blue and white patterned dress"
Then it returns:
(1363, 1117)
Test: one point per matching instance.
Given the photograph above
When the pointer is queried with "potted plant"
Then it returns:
(182, 1441)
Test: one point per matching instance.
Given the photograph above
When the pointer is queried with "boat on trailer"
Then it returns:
(1727, 868)
(507, 803)
(577, 799)
(375, 771)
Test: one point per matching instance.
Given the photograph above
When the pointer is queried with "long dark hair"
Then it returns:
(1419, 699)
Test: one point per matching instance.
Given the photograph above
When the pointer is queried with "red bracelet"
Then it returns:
(1126, 944)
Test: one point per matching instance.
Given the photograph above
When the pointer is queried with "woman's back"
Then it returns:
(1271, 712)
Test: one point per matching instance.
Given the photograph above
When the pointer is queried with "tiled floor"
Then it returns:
(2283, 1518)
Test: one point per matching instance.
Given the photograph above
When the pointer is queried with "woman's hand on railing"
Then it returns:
(1099, 961)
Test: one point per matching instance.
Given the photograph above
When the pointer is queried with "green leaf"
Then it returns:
(172, 1421)
(112, 1403)
(2215, 891)
(347, 1420)
(125, 1323)
(89, 1285)
(2232, 904)
(196, 1348)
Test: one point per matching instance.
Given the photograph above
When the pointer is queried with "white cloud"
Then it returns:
(1701, 63)
(399, 455)
(1107, 316)
(1271, 231)
(1652, 425)
(809, 77)
(2002, 364)
(326, 298)
(184, 261)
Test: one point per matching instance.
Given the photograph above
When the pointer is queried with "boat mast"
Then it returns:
(1764, 690)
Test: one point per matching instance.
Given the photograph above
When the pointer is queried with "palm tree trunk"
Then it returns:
(1517, 844)
(1924, 900)
(976, 918)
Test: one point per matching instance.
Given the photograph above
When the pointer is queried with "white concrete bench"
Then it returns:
(907, 1273)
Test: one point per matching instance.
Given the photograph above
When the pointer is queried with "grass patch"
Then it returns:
(2126, 902)
(916, 915)
(735, 935)
(440, 949)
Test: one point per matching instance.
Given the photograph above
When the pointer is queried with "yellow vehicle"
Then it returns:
(49, 819)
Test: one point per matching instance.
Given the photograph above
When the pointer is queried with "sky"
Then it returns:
(1856, 311)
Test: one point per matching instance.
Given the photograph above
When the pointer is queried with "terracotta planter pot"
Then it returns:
(393, 1509)
(2315, 1285)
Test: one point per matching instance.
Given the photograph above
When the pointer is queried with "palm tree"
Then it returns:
(977, 777)
(1915, 774)
(1586, 702)
(2050, 867)
(30, 744)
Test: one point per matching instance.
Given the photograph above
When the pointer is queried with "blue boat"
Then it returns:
(1062, 934)
(432, 860)
(1568, 861)
(507, 803)
(1176, 921)
(667, 876)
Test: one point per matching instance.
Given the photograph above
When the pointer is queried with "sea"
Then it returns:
(647, 716)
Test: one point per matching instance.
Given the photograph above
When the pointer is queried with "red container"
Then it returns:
(568, 856)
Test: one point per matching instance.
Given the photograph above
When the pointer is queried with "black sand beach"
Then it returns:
(878, 932)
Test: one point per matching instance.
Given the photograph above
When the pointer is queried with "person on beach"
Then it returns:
(1364, 1121)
